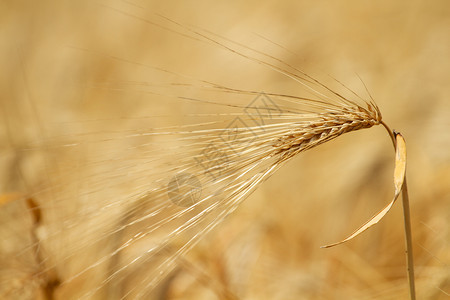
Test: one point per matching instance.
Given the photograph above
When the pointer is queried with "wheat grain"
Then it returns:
(330, 127)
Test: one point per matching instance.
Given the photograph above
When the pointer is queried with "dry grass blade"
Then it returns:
(399, 179)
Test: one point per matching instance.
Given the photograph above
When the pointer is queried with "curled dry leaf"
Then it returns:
(399, 178)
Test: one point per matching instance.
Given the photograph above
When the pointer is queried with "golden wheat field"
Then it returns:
(106, 106)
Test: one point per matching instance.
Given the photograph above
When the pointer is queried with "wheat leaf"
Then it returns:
(399, 178)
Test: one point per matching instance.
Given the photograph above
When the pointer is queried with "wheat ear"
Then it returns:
(327, 127)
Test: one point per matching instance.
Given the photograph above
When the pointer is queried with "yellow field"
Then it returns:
(83, 82)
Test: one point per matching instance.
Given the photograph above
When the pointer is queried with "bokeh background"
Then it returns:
(93, 71)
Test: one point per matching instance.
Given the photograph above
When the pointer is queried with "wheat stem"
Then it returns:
(407, 222)
(409, 249)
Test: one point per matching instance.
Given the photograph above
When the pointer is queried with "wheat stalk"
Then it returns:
(223, 163)
(239, 167)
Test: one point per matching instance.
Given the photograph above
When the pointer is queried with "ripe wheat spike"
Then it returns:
(327, 127)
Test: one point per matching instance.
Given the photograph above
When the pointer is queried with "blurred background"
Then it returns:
(80, 77)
